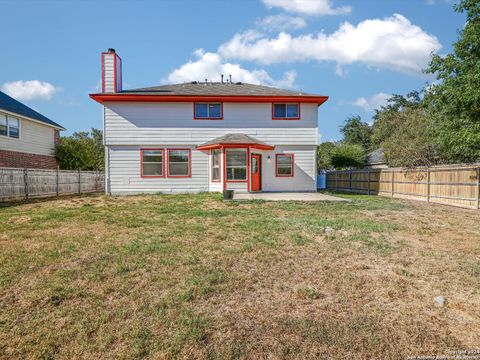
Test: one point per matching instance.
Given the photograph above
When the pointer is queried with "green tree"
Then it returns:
(412, 138)
(324, 155)
(455, 100)
(82, 150)
(385, 119)
(347, 155)
(357, 132)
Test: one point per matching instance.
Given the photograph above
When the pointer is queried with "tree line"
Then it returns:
(438, 124)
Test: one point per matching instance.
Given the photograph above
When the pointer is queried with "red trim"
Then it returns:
(248, 170)
(189, 164)
(119, 83)
(224, 169)
(219, 167)
(103, 72)
(208, 118)
(115, 73)
(225, 163)
(201, 98)
(220, 145)
(141, 164)
(285, 118)
(292, 164)
(116, 84)
(259, 163)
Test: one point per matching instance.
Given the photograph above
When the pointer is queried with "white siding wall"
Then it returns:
(125, 173)
(173, 123)
(34, 138)
(131, 126)
(304, 178)
(108, 72)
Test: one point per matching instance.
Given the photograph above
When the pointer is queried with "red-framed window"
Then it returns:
(179, 163)
(284, 165)
(216, 155)
(236, 164)
(285, 111)
(208, 111)
(152, 163)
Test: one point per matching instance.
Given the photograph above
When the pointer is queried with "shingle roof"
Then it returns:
(8, 103)
(215, 89)
(375, 157)
(235, 138)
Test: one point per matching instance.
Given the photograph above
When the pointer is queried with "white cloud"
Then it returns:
(211, 65)
(373, 102)
(308, 7)
(30, 90)
(393, 42)
(282, 22)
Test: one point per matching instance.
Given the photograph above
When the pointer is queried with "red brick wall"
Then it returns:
(24, 160)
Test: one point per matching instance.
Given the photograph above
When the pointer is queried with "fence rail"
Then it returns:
(34, 183)
(457, 185)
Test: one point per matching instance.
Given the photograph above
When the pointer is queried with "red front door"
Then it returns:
(256, 170)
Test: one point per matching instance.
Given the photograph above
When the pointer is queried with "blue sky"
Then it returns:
(356, 52)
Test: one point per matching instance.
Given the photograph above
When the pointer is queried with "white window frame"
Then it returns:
(8, 126)
(214, 153)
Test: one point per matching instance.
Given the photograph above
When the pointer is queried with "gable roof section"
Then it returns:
(211, 91)
(9, 104)
(235, 139)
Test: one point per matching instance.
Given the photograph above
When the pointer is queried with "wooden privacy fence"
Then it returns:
(457, 185)
(34, 183)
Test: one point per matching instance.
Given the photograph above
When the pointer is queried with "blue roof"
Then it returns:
(8, 103)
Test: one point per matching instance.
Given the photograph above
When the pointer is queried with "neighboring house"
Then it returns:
(376, 160)
(204, 136)
(27, 138)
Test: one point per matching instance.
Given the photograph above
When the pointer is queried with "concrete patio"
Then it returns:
(287, 196)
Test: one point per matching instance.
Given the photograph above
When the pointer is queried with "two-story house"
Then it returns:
(206, 136)
(27, 138)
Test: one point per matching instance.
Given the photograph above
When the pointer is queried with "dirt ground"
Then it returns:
(195, 277)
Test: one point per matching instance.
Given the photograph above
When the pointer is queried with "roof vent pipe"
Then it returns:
(222, 79)
(206, 81)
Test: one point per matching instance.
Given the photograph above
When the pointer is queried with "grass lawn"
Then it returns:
(182, 276)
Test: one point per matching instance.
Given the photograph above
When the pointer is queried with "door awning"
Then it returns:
(237, 140)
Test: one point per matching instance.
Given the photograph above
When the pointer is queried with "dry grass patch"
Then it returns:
(184, 276)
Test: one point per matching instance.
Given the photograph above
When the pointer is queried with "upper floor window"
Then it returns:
(208, 111)
(152, 162)
(9, 126)
(179, 162)
(288, 111)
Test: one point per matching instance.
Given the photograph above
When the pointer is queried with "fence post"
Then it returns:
(350, 180)
(393, 182)
(56, 182)
(428, 184)
(96, 180)
(368, 172)
(25, 181)
(79, 182)
(336, 180)
(478, 188)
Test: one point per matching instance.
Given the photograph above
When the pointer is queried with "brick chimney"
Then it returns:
(111, 72)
